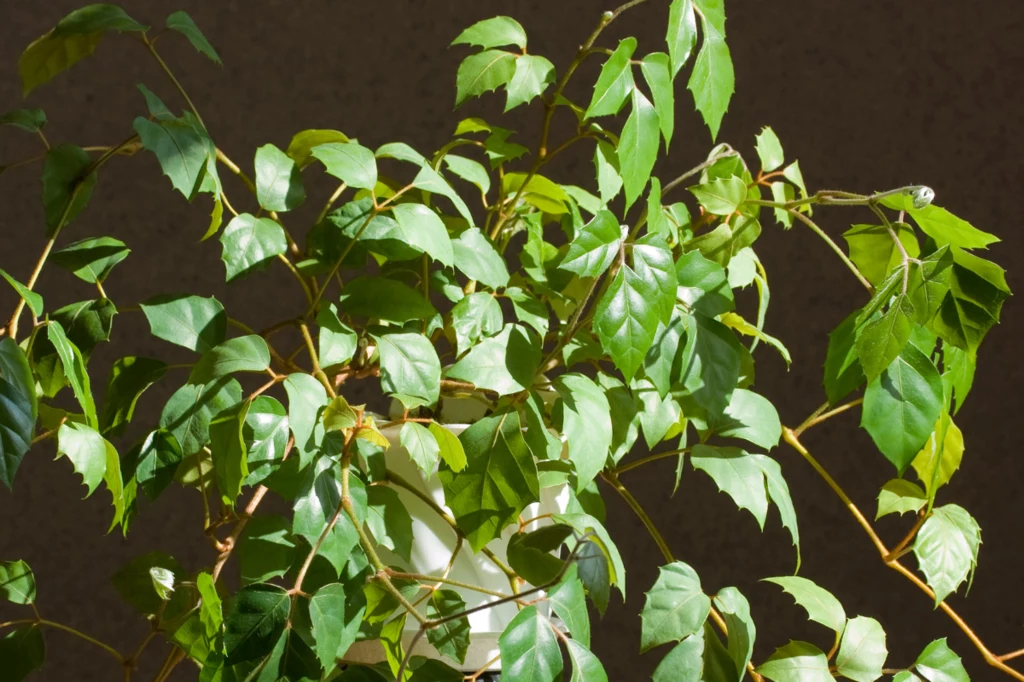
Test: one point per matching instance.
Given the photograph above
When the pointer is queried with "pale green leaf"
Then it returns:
(638, 146)
(529, 650)
(34, 300)
(938, 663)
(862, 651)
(674, 608)
(351, 163)
(17, 582)
(615, 82)
(504, 363)
(721, 196)
(656, 68)
(819, 603)
(737, 474)
(532, 76)
(796, 662)
(585, 424)
(425, 230)
(769, 150)
(900, 496)
(946, 548)
(712, 81)
(682, 33)
(410, 367)
(493, 32)
(483, 72)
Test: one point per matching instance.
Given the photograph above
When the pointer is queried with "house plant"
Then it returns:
(633, 330)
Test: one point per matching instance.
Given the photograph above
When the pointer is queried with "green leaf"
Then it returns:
(493, 32)
(483, 72)
(529, 650)
(941, 225)
(703, 285)
(973, 303)
(156, 460)
(241, 354)
(306, 396)
(255, 622)
(737, 474)
(473, 318)
(658, 416)
(194, 322)
(183, 149)
(278, 180)
(711, 362)
(675, 607)
(334, 623)
(638, 299)
(586, 425)
(389, 521)
(182, 23)
(615, 82)
(188, 413)
(539, 191)
(451, 450)
(533, 555)
(569, 602)
(18, 408)
(71, 40)
(504, 363)
(87, 323)
(230, 463)
(452, 637)
(638, 147)
(74, 370)
(469, 170)
(685, 662)
(941, 455)
(902, 405)
(726, 240)
(843, 372)
(337, 341)
(880, 341)
(17, 582)
(499, 480)
(210, 609)
(778, 492)
(899, 496)
(66, 187)
(301, 146)
(425, 230)
(129, 378)
(34, 300)
(22, 651)
(712, 81)
(585, 665)
(938, 663)
(796, 662)
(95, 459)
(532, 76)
(476, 257)
(862, 650)
(30, 120)
(598, 559)
(135, 583)
(609, 182)
(656, 68)
(929, 282)
(906, 676)
(769, 150)
(385, 299)
(316, 504)
(594, 247)
(91, 260)
(946, 548)
(421, 445)
(874, 252)
(819, 603)
(721, 196)
(338, 415)
(266, 436)
(351, 163)
(626, 416)
(410, 368)
(682, 33)
(736, 612)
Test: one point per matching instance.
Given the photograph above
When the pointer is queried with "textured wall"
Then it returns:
(867, 94)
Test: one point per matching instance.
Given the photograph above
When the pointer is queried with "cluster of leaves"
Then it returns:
(577, 329)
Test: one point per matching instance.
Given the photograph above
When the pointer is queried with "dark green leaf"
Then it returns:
(902, 405)
(569, 602)
(410, 368)
(881, 340)
(74, 370)
(529, 650)
(134, 581)
(452, 637)
(155, 460)
(31, 120)
(389, 520)
(736, 612)
(184, 150)
(240, 354)
(266, 549)
(385, 299)
(334, 623)
(674, 608)
(87, 323)
(188, 413)
(250, 244)
(182, 23)
(91, 260)
(941, 225)
(638, 147)
(703, 285)
(337, 341)
(504, 363)
(499, 480)
(533, 555)
(255, 621)
(874, 251)
(483, 72)
(194, 322)
(615, 82)
(843, 372)
(585, 665)
(493, 32)
(22, 651)
(711, 362)
(929, 281)
(306, 396)
(66, 187)
(18, 408)
(685, 662)
(278, 180)
(351, 163)
(266, 435)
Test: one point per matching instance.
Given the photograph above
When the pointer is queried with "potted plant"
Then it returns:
(534, 348)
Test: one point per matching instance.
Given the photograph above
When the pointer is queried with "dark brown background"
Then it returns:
(868, 94)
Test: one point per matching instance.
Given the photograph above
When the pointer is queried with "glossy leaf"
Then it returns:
(156, 459)
(95, 459)
(606, 164)
(337, 342)
(67, 185)
(240, 354)
(499, 480)
(255, 621)
(475, 317)
(819, 603)
(586, 667)
(306, 397)
(194, 322)
(569, 602)
(941, 225)
(476, 257)
(594, 247)
(182, 23)
(529, 650)
(638, 147)
(421, 444)
(938, 663)
(674, 608)
(332, 621)
(74, 370)
(18, 409)
(188, 413)
(703, 285)
(862, 651)
(351, 163)
(91, 260)
(504, 363)
(615, 82)
(410, 368)
(266, 435)
(902, 405)
(735, 611)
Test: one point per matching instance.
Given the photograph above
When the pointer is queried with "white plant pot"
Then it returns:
(432, 548)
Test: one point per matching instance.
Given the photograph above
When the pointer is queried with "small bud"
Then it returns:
(607, 16)
(922, 196)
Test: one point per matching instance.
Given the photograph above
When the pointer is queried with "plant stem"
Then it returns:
(70, 630)
(819, 415)
(419, 577)
(648, 459)
(889, 560)
(317, 371)
(170, 75)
